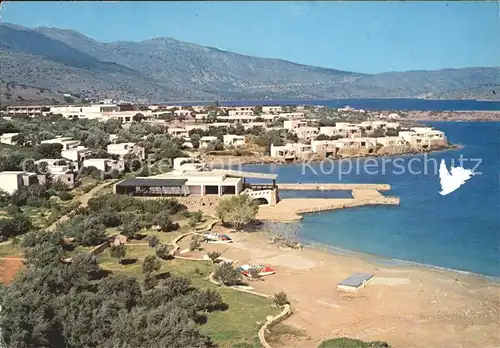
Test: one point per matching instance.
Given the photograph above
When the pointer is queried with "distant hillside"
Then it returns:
(163, 69)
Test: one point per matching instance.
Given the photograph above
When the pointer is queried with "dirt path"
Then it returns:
(9, 266)
(83, 200)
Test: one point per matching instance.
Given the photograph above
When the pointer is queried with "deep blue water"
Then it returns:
(379, 104)
(459, 231)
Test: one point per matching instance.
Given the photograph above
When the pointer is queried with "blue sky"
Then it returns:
(356, 36)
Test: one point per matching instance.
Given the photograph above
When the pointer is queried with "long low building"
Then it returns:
(201, 183)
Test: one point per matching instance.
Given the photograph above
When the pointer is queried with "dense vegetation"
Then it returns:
(57, 304)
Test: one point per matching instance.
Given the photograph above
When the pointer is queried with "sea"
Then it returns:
(459, 231)
(375, 104)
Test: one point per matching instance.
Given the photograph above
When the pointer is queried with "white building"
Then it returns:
(6, 138)
(307, 133)
(286, 152)
(30, 110)
(122, 149)
(272, 109)
(234, 140)
(66, 142)
(105, 164)
(240, 112)
(294, 124)
(206, 140)
(391, 141)
(77, 154)
(10, 181)
(178, 132)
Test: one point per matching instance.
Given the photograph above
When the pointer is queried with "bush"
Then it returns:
(163, 220)
(281, 298)
(214, 255)
(195, 244)
(64, 195)
(227, 275)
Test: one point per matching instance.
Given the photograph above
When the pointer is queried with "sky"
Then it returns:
(369, 37)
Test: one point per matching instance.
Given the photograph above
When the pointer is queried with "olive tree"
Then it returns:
(237, 211)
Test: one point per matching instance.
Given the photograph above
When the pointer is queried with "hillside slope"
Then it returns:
(163, 69)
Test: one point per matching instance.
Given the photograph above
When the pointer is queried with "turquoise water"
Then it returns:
(378, 104)
(459, 231)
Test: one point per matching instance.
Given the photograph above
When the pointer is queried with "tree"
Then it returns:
(345, 342)
(151, 264)
(131, 228)
(227, 275)
(237, 211)
(49, 150)
(391, 132)
(117, 251)
(214, 255)
(163, 251)
(281, 298)
(89, 231)
(164, 221)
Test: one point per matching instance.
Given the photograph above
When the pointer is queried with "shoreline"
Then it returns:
(406, 305)
(390, 261)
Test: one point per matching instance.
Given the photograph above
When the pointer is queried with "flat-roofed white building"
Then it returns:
(241, 112)
(183, 113)
(30, 110)
(11, 181)
(286, 152)
(122, 149)
(105, 164)
(237, 118)
(294, 124)
(6, 138)
(292, 115)
(234, 140)
(328, 130)
(66, 142)
(60, 169)
(178, 132)
(77, 154)
(391, 141)
(307, 133)
(207, 140)
(272, 109)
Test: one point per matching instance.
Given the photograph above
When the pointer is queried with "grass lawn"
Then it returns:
(238, 326)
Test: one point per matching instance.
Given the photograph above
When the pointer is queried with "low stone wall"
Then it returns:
(315, 187)
(100, 248)
(272, 321)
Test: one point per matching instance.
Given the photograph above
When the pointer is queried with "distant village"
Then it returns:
(268, 133)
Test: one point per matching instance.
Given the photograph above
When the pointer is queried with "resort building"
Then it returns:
(272, 109)
(66, 142)
(207, 140)
(178, 132)
(324, 146)
(328, 130)
(240, 112)
(391, 141)
(60, 169)
(31, 111)
(286, 152)
(11, 181)
(105, 164)
(122, 149)
(294, 124)
(424, 137)
(237, 118)
(292, 115)
(202, 183)
(183, 113)
(234, 140)
(6, 138)
(77, 154)
(307, 133)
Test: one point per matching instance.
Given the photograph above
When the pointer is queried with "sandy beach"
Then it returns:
(406, 305)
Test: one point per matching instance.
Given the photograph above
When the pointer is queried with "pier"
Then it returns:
(292, 209)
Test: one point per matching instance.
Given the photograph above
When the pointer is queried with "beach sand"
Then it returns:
(405, 305)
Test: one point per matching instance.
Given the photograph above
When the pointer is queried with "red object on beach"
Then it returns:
(225, 237)
(266, 271)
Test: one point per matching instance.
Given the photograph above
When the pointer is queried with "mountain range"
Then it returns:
(43, 63)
